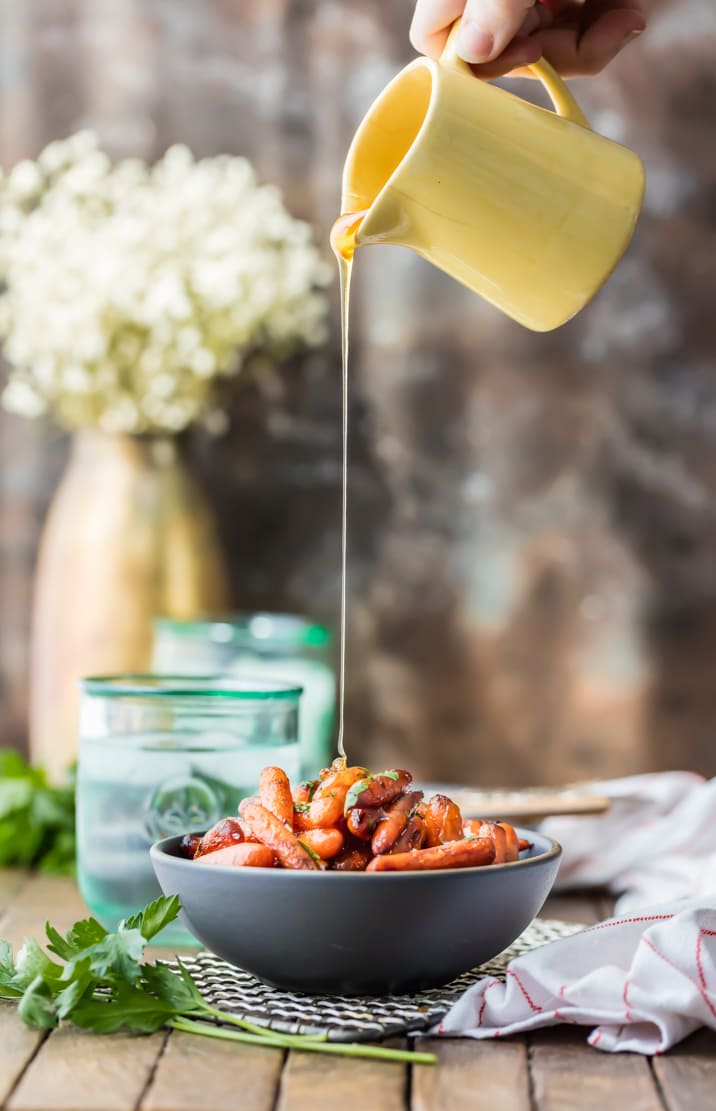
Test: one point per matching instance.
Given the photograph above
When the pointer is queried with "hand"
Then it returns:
(578, 37)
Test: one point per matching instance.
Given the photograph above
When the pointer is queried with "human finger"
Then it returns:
(575, 54)
(488, 27)
(432, 20)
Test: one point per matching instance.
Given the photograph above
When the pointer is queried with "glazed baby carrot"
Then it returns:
(249, 854)
(454, 854)
(397, 815)
(354, 858)
(326, 806)
(512, 841)
(305, 791)
(443, 820)
(275, 794)
(270, 831)
(506, 841)
(412, 837)
(325, 843)
(226, 832)
(349, 820)
(189, 844)
(377, 790)
(361, 823)
(497, 834)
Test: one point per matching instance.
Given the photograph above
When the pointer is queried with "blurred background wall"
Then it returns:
(532, 518)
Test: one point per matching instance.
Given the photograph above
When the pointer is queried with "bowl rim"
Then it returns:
(159, 851)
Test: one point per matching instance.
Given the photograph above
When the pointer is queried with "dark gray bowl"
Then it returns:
(343, 933)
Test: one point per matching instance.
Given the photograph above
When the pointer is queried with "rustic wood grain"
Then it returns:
(11, 882)
(17, 1045)
(687, 1074)
(200, 1074)
(472, 1076)
(567, 1073)
(77, 1071)
(311, 1082)
(580, 907)
(43, 898)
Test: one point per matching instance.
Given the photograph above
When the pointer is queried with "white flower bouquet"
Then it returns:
(129, 294)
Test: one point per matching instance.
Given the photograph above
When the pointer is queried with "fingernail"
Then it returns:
(631, 35)
(474, 44)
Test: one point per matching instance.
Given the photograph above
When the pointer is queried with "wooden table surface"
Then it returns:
(551, 1070)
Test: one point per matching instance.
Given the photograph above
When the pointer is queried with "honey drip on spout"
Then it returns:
(343, 242)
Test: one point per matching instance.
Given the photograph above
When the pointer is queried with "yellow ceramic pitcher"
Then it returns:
(527, 207)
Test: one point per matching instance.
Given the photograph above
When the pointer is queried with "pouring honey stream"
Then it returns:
(343, 243)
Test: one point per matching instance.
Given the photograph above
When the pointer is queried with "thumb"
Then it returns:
(488, 26)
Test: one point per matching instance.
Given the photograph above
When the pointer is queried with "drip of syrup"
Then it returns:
(343, 242)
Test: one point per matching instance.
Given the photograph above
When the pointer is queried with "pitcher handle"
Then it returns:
(564, 103)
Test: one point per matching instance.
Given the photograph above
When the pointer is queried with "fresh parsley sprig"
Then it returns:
(102, 985)
(37, 819)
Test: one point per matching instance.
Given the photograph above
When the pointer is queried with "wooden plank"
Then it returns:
(566, 1073)
(77, 1071)
(17, 1046)
(472, 1076)
(605, 905)
(43, 898)
(687, 1073)
(577, 907)
(201, 1074)
(31, 900)
(311, 1082)
(11, 882)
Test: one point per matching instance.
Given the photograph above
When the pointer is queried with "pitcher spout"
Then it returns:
(380, 146)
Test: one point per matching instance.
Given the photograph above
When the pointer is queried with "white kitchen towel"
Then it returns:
(656, 843)
(643, 982)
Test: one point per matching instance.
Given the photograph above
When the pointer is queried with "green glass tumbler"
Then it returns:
(161, 755)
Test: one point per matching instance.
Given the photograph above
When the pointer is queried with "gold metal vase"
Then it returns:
(129, 537)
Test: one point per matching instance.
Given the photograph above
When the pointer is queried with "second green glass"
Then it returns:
(272, 646)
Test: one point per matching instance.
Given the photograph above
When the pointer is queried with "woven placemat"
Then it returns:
(355, 1018)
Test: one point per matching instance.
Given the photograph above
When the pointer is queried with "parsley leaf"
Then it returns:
(78, 989)
(9, 985)
(117, 955)
(86, 932)
(7, 965)
(312, 785)
(37, 1006)
(31, 962)
(154, 917)
(179, 991)
(310, 851)
(130, 1008)
(355, 792)
(37, 819)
